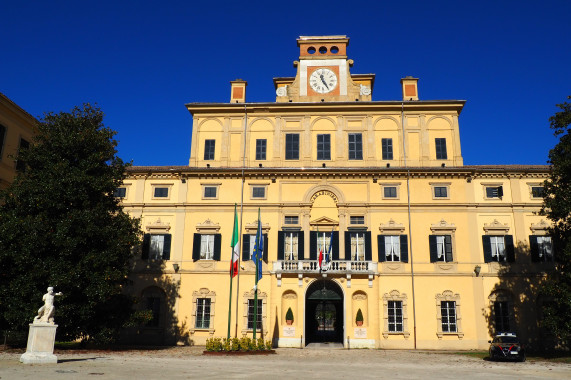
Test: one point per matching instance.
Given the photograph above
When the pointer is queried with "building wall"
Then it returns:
(15, 125)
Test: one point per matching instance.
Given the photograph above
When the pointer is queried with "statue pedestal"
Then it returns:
(40, 349)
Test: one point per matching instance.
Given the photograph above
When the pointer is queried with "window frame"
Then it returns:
(538, 251)
(154, 188)
(203, 293)
(387, 149)
(446, 242)
(292, 144)
(117, 190)
(448, 296)
(261, 149)
(209, 149)
(253, 189)
(355, 145)
(440, 148)
(198, 241)
(282, 254)
(290, 222)
(395, 296)
(499, 190)
(324, 147)
(201, 314)
(435, 185)
(147, 252)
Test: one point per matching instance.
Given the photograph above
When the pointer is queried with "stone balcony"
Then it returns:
(335, 268)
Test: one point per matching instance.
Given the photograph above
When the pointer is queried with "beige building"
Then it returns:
(17, 127)
(435, 254)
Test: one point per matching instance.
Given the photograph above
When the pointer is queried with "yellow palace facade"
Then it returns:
(434, 254)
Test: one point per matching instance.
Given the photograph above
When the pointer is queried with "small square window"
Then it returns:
(259, 192)
(440, 192)
(210, 192)
(494, 192)
(357, 220)
(537, 191)
(120, 192)
(161, 192)
(291, 219)
(390, 191)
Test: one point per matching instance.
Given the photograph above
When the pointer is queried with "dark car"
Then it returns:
(506, 347)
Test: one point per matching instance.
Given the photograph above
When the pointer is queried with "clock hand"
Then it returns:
(323, 80)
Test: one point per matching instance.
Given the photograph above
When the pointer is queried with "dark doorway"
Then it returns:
(324, 313)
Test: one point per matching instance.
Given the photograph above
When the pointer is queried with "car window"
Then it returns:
(506, 339)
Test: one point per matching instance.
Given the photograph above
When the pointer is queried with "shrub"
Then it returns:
(359, 317)
(289, 315)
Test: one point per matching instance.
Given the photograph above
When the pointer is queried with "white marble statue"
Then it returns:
(46, 312)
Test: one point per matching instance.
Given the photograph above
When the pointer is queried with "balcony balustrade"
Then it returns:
(333, 267)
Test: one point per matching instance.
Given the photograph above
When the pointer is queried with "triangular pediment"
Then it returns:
(324, 221)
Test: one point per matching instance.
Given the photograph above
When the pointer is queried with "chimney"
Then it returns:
(238, 91)
(409, 88)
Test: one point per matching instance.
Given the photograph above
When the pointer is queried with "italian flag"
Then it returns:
(235, 246)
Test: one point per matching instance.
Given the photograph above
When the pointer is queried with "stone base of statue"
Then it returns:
(40, 349)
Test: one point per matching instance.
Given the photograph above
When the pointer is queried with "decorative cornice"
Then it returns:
(208, 227)
(158, 227)
(496, 227)
(392, 227)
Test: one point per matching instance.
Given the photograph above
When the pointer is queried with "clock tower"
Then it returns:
(323, 74)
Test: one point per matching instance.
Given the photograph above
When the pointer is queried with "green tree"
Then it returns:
(557, 207)
(60, 225)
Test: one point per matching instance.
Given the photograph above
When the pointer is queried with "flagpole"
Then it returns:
(233, 247)
(241, 216)
(256, 258)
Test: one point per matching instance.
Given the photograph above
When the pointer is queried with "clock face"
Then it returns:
(323, 81)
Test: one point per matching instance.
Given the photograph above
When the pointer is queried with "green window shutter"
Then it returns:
(146, 245)
(534, 249)
(381, 248)
(433, 248)
(313, 245)
(217, 247)
(265, 253)
(510, 251)
(404, 248)
(448, 248)
(281, 245)
(347, 246)
(300, 245)
(167, 247)
(368, 251)
(246, 247)
(196, 247)
(487, 248)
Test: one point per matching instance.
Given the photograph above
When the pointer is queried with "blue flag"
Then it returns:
(328, 255)
(259, 250)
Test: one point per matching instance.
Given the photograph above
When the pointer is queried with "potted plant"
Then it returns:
(289, 316)
(359, 318)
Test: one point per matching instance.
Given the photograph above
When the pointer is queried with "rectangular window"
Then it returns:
(357, 220)
(261, 149)
(251, 315)
(324, 147)
(209, 149)
(448, 312)
(291, 240)
(537, 191)
(501, 316)
(259, 192)
(498, 248)
(202, 313)
(20, 164)
(292, 146)
(323, 242)
(161, 192)
(291, 219)
(494, 191)
(210, 192)
(357, 246)
(390, 191)
(156, 246)
(355, 146)
(2, 136)
(440, 192)
(541, 248)
(387, 146)
(441, 153)
(207, 247)
(392, 248)
(154, 306)
(440, 248)
(394, 311)
(120, 192)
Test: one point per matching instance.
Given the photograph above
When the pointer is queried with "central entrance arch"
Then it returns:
(324, 314)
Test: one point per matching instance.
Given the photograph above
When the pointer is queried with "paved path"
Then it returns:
(291, 364)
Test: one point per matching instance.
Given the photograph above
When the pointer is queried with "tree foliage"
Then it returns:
(557, 207)
(61, 226)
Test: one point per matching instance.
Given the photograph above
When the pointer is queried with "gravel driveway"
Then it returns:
(189, 363)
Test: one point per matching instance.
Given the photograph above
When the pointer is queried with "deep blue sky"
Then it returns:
(141, 61)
